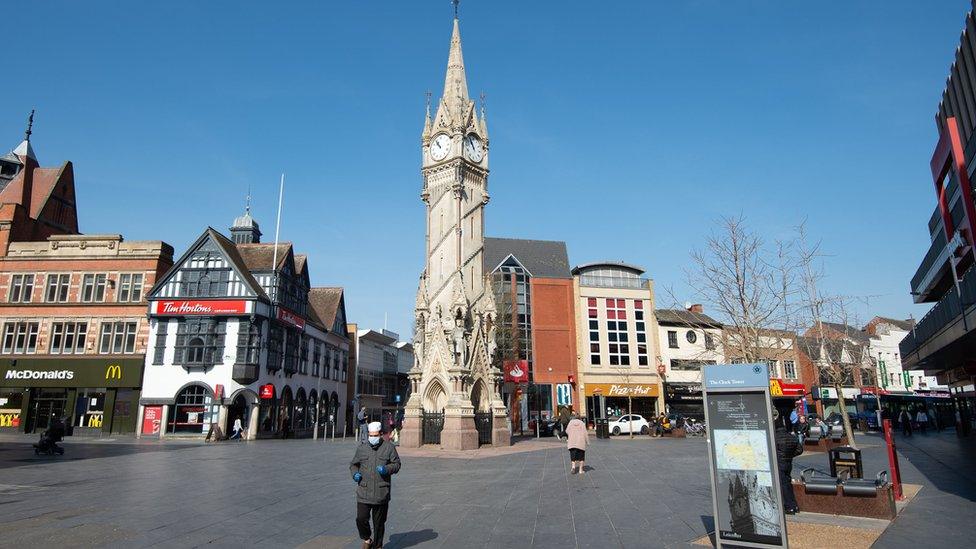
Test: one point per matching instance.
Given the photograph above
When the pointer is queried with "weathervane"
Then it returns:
(455, 2)
(247, 204)
(30, 124)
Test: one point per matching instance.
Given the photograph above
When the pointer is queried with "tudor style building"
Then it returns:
(237, 332)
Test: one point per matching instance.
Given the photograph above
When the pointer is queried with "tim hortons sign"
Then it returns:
(199, 307)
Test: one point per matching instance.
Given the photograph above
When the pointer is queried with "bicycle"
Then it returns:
(695, 428)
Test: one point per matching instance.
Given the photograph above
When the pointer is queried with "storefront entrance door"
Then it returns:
(46, 405)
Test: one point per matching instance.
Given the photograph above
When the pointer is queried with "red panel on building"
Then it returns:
(267, 391)
(289, 317)
(200, 307)
(517, 371)
(152, 418)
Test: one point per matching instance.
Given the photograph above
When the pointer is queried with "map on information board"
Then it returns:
(744, 450)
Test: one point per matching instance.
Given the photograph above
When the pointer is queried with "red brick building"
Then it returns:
(533, 289)
(73, 326)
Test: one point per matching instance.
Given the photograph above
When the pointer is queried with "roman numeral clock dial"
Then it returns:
(440, 146)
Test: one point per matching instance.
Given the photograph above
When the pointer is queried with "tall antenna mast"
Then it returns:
(455, 2)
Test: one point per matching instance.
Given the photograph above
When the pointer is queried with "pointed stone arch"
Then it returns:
(435, 399)
(481, 396)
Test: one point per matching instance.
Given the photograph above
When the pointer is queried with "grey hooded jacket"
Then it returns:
(374, 488)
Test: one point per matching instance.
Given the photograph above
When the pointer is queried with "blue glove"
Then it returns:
(357, 477)
(381, 469)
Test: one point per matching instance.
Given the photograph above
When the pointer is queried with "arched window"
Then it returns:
(194, 351)
(191, 410)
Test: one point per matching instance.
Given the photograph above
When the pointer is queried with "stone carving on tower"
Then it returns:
(455, 314)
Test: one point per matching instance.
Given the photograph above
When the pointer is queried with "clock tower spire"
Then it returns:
(454, 339)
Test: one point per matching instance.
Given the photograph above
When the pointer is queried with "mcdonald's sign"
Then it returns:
(113, 371)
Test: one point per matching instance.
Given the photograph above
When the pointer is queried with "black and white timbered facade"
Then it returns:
(236, 331)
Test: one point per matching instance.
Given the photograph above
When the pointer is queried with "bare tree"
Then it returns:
(820, 308)
(748, 283)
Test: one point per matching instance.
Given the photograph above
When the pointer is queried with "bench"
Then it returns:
(818, 492)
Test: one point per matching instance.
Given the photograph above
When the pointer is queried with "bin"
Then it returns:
(846, 462)
(602, 426)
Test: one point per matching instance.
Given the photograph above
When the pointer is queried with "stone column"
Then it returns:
(501, 434)
(459, 431)
(162, 427)
(142, 410)
(252, 422)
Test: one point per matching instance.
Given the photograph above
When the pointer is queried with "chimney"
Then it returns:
(696, 308)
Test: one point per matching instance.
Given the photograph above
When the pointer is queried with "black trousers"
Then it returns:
(786, 486)
(378, 512)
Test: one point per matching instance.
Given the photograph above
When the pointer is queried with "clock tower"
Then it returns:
(454, 380)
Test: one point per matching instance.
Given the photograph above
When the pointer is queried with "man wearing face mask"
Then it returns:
(373, 466)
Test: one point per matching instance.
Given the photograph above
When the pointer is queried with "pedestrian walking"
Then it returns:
(906, 422)
(372, 468)
(923, 420)
(787, 448)
(238, 429)
(565, 416)
(576, 442)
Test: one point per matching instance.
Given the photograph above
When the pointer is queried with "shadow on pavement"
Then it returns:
(944, 459)
(409, 539)
(22, 454)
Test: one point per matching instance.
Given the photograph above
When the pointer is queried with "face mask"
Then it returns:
(374, 440)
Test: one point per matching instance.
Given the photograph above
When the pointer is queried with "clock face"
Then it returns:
(440, 146)
(473, 148)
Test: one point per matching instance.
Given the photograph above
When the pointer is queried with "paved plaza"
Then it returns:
(637, 493)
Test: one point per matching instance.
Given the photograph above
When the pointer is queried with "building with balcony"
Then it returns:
(72, 307)
(536, 331)
(943, 342)
(617, 349)
(237, 332)
(689, 339)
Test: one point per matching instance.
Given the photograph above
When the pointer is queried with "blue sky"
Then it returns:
(625, 130)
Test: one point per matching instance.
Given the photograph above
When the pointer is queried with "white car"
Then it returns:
(623, 424)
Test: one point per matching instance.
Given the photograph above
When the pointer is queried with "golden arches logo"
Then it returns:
(113, 371)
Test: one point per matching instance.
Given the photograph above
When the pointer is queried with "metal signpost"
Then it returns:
(746, 497)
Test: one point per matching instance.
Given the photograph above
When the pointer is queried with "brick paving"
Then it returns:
(638, 493)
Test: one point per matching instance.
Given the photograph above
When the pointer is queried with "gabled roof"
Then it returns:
(228, 249)
(323, 305)
(43, 183)
(542, 258)
(258, 257)
(835, 349)
(684, 317)
(905, 325)
(843, 330)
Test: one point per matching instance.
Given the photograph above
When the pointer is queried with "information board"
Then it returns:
(746, 495)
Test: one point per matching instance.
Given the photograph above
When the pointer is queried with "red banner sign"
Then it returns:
(218, 391)
(516, 371)
(200, 307)
(267, 391)
(152, 418)
(289, 317)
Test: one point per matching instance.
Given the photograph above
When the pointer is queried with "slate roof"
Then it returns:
(684, 317)
(906, 325)
(543, 258)
(258, 257)
(323, 306)
(811, 347)
(849, 331)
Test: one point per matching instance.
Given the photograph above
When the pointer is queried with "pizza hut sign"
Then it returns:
(199, 307)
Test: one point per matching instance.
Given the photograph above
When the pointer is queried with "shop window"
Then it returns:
(21, 288)
(191, 410)
(93, 287)
(20, 338)
(56, 290)
(90, 408)
(672, 339)
(11, 402)
(709, 341)
(68, 337)
(118, 338)
(130, 287)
